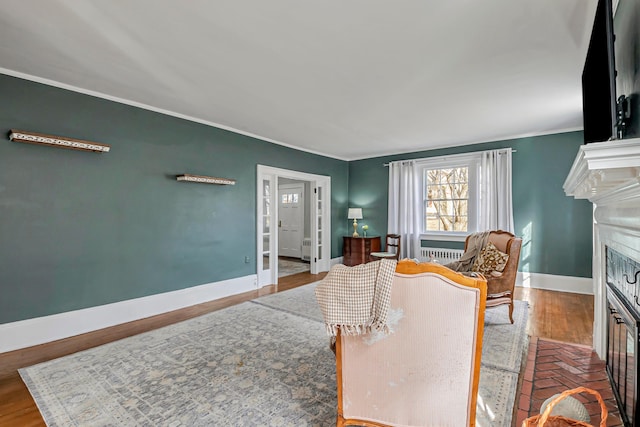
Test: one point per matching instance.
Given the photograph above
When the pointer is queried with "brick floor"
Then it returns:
(553, 367)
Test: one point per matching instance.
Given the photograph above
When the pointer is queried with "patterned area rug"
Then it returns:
(287, 267)
(263, 362)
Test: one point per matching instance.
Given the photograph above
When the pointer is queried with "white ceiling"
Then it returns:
(348, 79)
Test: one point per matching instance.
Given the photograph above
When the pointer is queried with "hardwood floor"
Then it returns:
(559, 316)
(554, 315)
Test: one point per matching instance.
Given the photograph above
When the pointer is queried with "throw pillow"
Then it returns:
(490, 259)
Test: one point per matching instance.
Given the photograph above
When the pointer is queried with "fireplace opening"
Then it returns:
(623, 326)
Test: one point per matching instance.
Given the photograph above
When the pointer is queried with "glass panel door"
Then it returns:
(265, 259)
(320, 230)
(611, 324)
(266, 222)
(321, 227)
(622, 363)
(630, 373)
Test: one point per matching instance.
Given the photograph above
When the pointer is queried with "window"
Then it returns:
(449, 197)
(289, 198)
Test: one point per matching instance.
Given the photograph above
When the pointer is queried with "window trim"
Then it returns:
(470, 160)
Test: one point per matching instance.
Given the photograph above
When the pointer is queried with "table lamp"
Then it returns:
(355, 214)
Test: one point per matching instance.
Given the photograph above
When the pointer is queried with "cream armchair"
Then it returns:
(426, 372)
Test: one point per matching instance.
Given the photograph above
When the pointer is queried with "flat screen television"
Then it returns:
(599, 79)
(626, 26)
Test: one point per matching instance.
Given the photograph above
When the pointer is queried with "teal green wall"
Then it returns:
(557, 229)
(80, 229)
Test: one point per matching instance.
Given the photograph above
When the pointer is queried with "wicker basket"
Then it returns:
(547, 420)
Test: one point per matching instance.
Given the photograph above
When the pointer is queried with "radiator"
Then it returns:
(443, 256)
(306, 249)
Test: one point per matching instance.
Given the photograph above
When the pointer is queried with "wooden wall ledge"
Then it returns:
(206, 179)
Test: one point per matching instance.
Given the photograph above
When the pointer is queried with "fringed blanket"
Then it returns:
(356, 299)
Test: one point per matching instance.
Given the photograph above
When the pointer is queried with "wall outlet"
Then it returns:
(246, 260)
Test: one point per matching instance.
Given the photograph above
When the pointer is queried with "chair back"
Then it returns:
(392, 244)
(426, 372)
(511, 245)
(499, 238)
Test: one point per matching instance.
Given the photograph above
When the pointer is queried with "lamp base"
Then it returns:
(355, 229)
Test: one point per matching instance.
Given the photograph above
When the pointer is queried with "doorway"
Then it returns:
(270, 220)
(294, 234)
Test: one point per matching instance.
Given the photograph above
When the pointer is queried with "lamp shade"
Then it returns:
(355, 213)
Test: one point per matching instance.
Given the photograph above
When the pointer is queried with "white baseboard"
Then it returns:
(335, 261)
(552, 282)
(39, 330)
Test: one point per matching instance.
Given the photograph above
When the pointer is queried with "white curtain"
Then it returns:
(405, 204)
(496, 202)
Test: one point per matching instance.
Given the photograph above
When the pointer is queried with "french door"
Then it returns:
(267, 221)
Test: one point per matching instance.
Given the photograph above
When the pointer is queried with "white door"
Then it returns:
(291, 220)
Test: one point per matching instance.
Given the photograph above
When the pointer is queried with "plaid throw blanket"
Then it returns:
(356, 299)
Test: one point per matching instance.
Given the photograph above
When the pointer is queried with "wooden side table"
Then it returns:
(357, 250)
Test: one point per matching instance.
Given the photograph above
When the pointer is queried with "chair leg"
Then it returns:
(511, 311)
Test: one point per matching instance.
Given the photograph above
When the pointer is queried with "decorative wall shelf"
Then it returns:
(206, 179)
(57, 141)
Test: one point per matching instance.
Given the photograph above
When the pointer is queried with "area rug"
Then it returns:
(263, 362)
(287, 267)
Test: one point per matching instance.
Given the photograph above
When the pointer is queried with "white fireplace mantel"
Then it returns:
(602, 168)
(608, 175)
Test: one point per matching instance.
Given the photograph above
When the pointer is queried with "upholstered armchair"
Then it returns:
(426, 372)
(500, 285)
